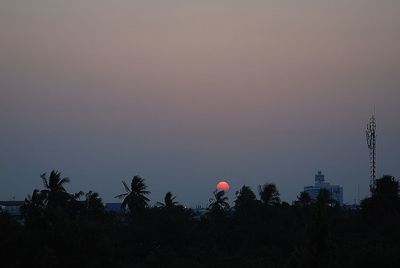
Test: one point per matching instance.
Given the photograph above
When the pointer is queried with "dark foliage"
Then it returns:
(135, 197)
(60, 229)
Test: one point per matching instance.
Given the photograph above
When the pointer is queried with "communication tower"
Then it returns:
(371, 142)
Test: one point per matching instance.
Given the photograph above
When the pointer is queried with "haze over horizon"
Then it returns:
(187, 93)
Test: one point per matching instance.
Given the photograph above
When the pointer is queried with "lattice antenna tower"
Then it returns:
(371, 142)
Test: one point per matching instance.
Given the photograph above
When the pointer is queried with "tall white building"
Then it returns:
(335, 190)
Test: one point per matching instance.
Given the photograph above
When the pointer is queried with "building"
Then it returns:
(198, 213)
(115, 208)
(11, 207)
(320, 183)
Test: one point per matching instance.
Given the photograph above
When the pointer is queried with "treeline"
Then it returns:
(62, 229)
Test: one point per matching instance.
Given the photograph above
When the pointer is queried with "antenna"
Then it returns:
(371, 142)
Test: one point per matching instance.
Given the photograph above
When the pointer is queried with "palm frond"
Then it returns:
(64, 181)
(144, 192)
(160, 204)
(125, 203)
(78, 195)
(126, 186)
(44, 179)
(121, 196)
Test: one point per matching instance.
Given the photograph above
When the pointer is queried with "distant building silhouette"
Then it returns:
(114, 208)
(11, 207)
(199, 212)
(335, 190)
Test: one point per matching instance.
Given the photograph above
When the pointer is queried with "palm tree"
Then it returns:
(34, 200)
(54, 191)
(169, 201)
(219, 203)
(135, 197)
(93, 202)
(269, 195)
(33, 203)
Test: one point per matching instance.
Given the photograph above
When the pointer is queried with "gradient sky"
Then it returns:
(186, 92)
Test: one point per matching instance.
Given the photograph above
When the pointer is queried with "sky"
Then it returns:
(187, 92)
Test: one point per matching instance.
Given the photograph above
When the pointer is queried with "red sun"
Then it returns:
(223, 186)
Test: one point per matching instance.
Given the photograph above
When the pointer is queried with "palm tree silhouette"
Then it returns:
(34, 200)
(169, 201)
(54, 191)
(135, 197)
(269, 195)
(93, 202)
(33, 203)
(219, 202)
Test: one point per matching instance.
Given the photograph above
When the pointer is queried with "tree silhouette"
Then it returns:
(169, 201)
(218, 205)
(54, 191)
(387, 187)
(219, 202)
(36, 200)
(385, 200)
(245, 199)
(93, 202)
(33, 205)
(10, 240)
(269, 195)
(135, 197)
(319, 231)
(304, 199)
(58, 229)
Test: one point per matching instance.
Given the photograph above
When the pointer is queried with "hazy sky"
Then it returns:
(188, 92)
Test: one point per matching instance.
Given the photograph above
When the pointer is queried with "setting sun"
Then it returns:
(222, 186)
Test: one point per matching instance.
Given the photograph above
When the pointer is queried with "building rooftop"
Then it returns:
(11, 203)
